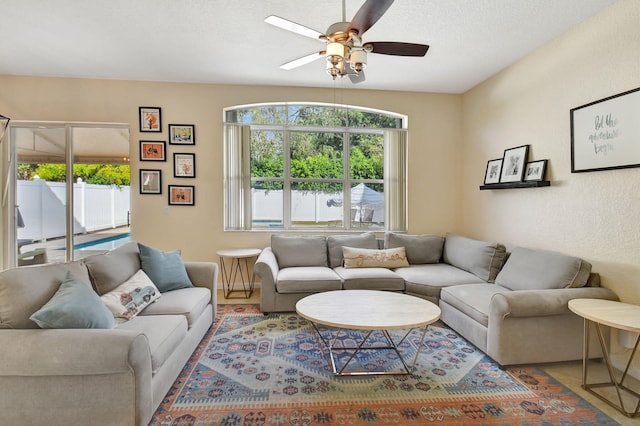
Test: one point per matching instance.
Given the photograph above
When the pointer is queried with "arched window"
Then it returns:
(315, 166)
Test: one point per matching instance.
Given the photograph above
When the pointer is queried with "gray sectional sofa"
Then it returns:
(512, 306)
(113, 375)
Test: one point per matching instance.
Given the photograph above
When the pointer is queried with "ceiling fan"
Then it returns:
(344, 43)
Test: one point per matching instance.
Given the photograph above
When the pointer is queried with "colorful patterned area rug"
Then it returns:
(252, 369)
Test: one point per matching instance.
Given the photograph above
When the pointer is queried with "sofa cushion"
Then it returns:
(307, 279)
(74, 305)
(109, 270)
(294, 251)
(164, 332)
(429, 279)
(25, 290)
(369, 279)
(481, 258)
(368, 258)
(336, 242)
(532, 269)
(420, 248)
(188, 302)
(474, 300)
(131, 297)
(166, 269)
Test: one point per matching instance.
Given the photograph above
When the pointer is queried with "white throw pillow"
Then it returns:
(368, 258)
(131, 297)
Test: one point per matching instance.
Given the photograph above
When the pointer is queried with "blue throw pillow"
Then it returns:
(74, 305)
(166, 269)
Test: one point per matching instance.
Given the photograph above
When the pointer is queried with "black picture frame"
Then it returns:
(150, 181)
(605, 134)
(184, 165)
(535, 171)
(513, 164)
(153, 151)
(492, 174)
(182, 195)
(182, 134)
(150, 119)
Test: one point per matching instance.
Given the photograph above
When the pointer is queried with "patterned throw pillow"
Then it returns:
(371, 258)
(131, 297)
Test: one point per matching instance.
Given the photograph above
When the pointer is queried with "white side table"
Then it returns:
(230, 273)
(622, 316)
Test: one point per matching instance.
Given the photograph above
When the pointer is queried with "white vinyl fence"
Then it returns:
(42, 205)
(308, 206)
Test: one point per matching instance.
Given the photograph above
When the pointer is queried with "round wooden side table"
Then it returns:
(236, 258)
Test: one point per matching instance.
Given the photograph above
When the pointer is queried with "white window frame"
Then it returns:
(237, 171)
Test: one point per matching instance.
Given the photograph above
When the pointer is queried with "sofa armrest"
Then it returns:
(75, 377)
(267, 268)
(537, 303)
(204, 274)
(67, 352)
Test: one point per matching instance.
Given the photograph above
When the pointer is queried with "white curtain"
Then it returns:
(237, 175)
(395, 179)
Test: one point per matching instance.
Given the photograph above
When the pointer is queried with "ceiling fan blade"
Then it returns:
(357, 78)
(302, 61)
(368, 14)
(397, 48)
(288, 25)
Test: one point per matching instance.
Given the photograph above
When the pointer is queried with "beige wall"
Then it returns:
(434, 142)
(593, 215)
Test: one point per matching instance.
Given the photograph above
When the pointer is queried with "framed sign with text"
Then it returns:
(605, 134)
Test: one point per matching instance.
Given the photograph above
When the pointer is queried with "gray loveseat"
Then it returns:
(511, 306)
(114, 376)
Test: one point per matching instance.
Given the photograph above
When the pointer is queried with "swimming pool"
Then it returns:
(105, 243)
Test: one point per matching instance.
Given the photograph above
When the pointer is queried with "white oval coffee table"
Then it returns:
(367, 310)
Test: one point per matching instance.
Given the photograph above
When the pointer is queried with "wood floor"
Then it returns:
(567, 373)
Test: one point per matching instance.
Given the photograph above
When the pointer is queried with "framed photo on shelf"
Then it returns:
(513, 164)
(184, 165)
(181, 195)
(182, 134)
(492, 175)
(535, 171)
(153, 150)
(150, 181)
(150, 120)
(605, 134)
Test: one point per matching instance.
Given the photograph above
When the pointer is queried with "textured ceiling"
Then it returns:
(226, 41)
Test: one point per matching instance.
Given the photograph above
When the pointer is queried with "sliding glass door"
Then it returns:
(70, 189)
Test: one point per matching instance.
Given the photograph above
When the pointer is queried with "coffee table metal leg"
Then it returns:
(354, 352)
(323, 346)
(328, 349)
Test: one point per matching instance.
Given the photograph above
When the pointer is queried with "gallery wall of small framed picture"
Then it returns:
(184, 163)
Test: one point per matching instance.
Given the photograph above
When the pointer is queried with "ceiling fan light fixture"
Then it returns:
(335, 52)
(358, 60)
(336, 70)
